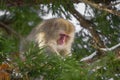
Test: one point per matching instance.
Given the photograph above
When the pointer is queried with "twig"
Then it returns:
(90, 57)
(113, 4)
(11, 30)
(101, 7)
(110, 49)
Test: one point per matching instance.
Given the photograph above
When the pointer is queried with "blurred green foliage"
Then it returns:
(24, 18)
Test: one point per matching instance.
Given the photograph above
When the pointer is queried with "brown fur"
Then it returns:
(47, 33)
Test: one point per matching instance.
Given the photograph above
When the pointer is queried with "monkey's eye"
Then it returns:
(64, 35)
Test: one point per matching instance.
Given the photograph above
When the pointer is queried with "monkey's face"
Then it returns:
(62, 39)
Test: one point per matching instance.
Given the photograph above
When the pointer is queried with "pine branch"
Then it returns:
(9, 29)
(90, 57)
(91, 27)
(102, 7)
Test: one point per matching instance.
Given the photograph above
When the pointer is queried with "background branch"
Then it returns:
(101, 7)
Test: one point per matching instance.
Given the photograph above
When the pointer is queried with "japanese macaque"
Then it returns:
(57, 35)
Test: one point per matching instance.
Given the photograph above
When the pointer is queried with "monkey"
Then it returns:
(56, 34)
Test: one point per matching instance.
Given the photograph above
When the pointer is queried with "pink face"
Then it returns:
(62, 39)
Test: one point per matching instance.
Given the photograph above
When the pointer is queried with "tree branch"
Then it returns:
(6, 27)
(90, 58)
(112, 48)
(89, 26)
(89, 2)
(102, 7)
